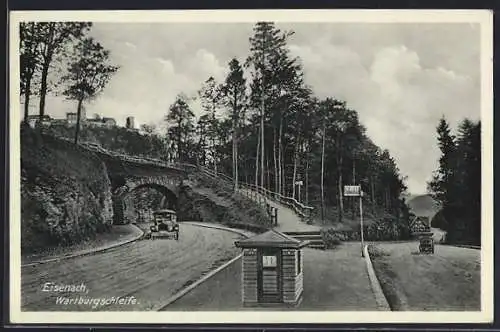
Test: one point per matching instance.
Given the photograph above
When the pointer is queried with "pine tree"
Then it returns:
(456, 185)
(234, 98)
(210, 96)
(442, 182)
(266, 45)
(180, 118)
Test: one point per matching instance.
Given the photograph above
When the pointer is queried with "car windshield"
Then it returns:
(164, 215)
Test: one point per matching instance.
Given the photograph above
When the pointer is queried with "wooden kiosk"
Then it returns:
(272, 269)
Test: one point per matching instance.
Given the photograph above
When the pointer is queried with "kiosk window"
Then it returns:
(269, 261)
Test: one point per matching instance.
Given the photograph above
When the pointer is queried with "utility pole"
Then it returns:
(262, 111)
(361, 221)
(353, 181)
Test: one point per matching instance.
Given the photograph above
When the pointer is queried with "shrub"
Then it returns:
(330, 238)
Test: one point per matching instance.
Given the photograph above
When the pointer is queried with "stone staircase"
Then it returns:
(314, 237)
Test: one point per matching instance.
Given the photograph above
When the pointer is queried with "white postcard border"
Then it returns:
(483, 17)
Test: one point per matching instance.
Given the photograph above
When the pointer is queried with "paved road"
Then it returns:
(448, 280)
(334, 280)
(149, 270)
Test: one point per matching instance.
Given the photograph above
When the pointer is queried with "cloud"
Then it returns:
(132, 46)
(145, 86)
(398, 100)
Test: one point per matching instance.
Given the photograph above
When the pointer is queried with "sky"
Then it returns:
(400, 77)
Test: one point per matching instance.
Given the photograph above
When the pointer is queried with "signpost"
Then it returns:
(356, 192)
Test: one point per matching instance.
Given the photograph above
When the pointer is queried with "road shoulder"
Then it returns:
(118, 236)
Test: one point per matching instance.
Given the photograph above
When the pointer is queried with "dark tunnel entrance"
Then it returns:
(137, 204)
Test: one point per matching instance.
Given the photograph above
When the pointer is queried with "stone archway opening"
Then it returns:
(136, 204)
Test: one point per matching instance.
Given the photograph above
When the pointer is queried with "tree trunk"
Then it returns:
(294, 177)
(27, 93)
(323, 173)
(262, 145)
(78, 114)
(353, 199)
(339, 170)
(214, 149)
(179, 141)
(276, 177)
(282, 173)
(372, 190)
(307, 176)
(45, 69)
(372, 185)
(43, 88)
(268, 179)
(257, 161)
(236, 176)
(280, 158)
(234, 160)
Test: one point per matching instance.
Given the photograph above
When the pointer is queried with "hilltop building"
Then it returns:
(130, 122)
(101, 122)
(71, 117)
(33, 119)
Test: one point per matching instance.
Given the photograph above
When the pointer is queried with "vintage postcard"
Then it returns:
(283, 166)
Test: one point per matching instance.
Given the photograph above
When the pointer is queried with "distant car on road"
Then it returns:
(165, 224)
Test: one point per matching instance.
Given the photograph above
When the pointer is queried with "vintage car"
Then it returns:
(165, 225)
(426, 244)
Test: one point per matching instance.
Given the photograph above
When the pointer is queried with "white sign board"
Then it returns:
(299, 183)
(269, 261)
(352, 190)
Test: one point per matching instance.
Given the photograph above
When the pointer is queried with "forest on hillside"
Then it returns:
(261, 125)
(267, 127)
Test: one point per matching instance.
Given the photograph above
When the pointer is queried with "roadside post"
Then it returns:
(355, 191)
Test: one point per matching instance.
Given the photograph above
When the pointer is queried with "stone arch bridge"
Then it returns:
(128, 174)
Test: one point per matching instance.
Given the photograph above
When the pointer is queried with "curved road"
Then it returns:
(149, 270)
(448, 280)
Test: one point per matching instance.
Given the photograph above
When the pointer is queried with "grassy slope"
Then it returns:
(238, 210)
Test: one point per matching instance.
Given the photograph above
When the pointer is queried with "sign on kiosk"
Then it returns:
(352, 190)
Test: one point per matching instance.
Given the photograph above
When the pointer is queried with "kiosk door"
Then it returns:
(269, 275)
